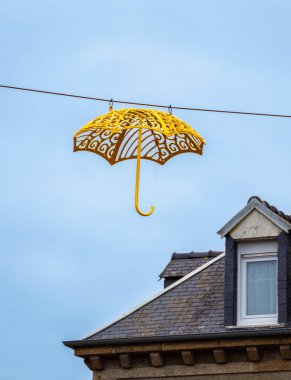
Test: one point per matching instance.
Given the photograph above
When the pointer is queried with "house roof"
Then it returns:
(184, 263)
(191, 305)
(280, 219)
(191, 308)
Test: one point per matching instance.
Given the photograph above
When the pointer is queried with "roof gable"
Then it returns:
(276, 217)
(255, 225)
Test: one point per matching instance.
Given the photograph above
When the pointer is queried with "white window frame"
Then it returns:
(253, 252)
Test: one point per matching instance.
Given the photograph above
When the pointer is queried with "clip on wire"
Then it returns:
(111, 105)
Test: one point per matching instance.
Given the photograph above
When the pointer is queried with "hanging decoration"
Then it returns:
(140, 134)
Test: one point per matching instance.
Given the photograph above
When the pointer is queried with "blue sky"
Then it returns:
(74, 254)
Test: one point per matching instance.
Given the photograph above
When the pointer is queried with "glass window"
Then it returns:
(257, 283)
(261, 287)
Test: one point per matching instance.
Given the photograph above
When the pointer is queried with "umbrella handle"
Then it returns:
(137, 177)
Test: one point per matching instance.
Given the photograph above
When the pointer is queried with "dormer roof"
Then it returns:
(278, 218)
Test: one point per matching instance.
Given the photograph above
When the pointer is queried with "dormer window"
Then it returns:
(257, 266)
(257, 283)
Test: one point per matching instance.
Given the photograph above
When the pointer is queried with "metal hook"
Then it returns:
(170, 109)
(137, 178)
(111, 105)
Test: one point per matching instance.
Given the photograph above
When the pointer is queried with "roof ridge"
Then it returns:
(271, 207)
(195, 254)
(159, 294)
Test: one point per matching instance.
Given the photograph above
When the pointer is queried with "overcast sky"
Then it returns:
(74, 253)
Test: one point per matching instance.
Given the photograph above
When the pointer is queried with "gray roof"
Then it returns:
(184, 263)
(191, 307)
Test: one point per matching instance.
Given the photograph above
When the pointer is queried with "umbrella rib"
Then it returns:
(150, 151)
(119, 142)
(144, 141)
(193, 139)
(136, 139)
(158, 146)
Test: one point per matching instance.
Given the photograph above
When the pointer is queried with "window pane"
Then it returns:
(261, 287)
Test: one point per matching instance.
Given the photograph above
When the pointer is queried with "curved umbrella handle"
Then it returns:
(137, 178)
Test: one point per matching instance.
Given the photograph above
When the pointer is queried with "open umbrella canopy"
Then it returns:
(114, 136)
(138, 133)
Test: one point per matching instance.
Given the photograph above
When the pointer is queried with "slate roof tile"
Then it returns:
(193, 306)
(187, 308)
(184, 263)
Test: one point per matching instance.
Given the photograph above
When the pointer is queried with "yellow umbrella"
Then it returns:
(138, 133)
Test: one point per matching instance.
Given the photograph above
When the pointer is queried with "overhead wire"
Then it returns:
(171, 107)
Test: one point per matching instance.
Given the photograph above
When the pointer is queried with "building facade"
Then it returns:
(221, 315)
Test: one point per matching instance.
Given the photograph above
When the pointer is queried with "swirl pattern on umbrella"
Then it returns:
(138, 133)
(114, 136)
